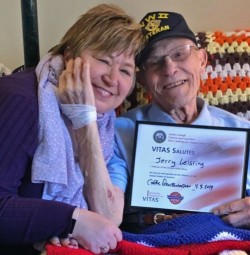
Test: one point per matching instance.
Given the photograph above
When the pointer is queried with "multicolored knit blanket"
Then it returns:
(191, 234)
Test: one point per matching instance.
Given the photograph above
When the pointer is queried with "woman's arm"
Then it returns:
(24, 216)
(102, 196)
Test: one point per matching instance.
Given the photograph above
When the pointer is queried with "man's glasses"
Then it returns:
(177, 54)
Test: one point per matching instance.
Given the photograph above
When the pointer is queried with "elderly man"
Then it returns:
(170, 67)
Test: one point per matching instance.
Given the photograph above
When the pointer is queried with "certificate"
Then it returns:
(188, 167)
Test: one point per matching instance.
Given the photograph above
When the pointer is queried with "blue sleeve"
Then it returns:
(118, 173)
(119, 166)
(117, 169)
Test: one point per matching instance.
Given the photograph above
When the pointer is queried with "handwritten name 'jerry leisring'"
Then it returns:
(182, 162)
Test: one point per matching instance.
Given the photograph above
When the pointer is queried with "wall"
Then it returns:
(56, 16)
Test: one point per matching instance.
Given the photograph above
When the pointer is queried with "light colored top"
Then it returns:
(121, 163)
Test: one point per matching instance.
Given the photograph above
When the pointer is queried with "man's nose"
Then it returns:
(169, 66)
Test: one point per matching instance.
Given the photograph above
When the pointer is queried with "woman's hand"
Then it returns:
(75, 84)
(92, 232)
(236, 213)
(96, 233)
(68, 242)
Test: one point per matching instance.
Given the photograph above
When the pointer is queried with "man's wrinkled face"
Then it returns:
(172, 72)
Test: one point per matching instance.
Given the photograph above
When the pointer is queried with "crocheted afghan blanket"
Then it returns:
(226, 82)
(192, 234)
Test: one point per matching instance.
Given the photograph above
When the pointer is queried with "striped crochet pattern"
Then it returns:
(130, 248)
(226, 82)
(188, 229)
(191, 234)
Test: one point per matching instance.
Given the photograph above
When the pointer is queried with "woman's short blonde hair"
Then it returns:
(105, 28)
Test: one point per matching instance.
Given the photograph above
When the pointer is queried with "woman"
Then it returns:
(90, 72)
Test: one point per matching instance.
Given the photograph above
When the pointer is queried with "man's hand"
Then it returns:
(237, 213)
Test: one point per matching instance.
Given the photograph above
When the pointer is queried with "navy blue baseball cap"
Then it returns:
(160, 25)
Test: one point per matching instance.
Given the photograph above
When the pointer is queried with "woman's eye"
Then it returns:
(104, 61)
(126, 72)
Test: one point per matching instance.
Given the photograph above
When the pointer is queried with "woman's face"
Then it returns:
(112, 77)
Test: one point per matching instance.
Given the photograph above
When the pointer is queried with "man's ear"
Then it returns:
(203, 58)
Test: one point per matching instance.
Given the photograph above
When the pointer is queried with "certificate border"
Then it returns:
(245, 169)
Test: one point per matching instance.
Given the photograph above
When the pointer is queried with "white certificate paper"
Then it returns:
(188, 168)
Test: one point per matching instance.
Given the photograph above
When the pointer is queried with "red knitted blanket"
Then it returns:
(130, 248)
